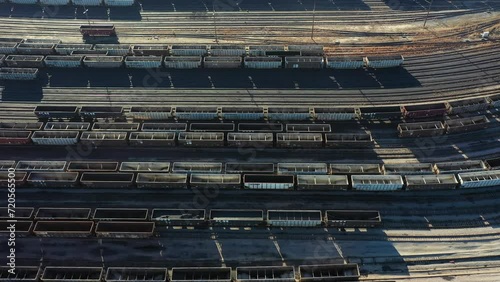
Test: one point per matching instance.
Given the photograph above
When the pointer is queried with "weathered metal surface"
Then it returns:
(63, 228)
(215, 180)
(227, 50)
(377, 182)
(345, 62)
(388, 112)
(151, 113)
(197, 274)
(299, 140)
(287, 114)
(152, 138)
(115, 49)
(145, 166)
(188, 50)
(18, 73)
(479, 179)
(247, 168)
(66, 49)
(409, 168)
(460, 166)
(124, 229)
(469, 105)
(143, 62)
(266, 181)
(302, 62)
(151, 50)
(323, 182)
(52, 179)
(63, 126)
(182, 217)
(350, 169)
(211, 127)
(103, 61)
(312, 127)
(41, 165)
(197, 167)
(106, 179)
(15, 137)
(350, 140)
(36, 48)
(92, 166)
(239, 217)
(196, 113)
(262, 62)
(352, 218)
(420, 129)
(466, 124)
(384, 61)
(55, 61)
(51, 111)
(201, 139)
(335, 113)
(182, 62)
(332, 272)
(257, 140)
(294, 218)
(302, 168)
(174, 127)
(71, 274)
(24, 61)
(130, 274)
(242, 113)
(424, 111)
(222, 62)
(162, 180)
(428, 182)
(265, 274)
(55, 137)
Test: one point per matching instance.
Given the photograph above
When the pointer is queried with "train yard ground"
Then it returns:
(429, 235)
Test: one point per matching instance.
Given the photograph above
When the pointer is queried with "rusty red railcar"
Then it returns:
(98, 30)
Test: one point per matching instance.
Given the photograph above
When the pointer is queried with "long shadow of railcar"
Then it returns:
(395, 78)
(347, 5)
(440, 5)
(304, 5)
(70, 12)
(17, 90)
(176, 5)
(235, 78)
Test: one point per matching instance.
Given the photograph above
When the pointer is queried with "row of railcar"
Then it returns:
(286, 168)
(296, 177)
(201, 217)
(208, 135)
(57, 47)
(103, 60)
(85, 3)
(232, 113)
(436, 128)
(305, 273)
(186, 139)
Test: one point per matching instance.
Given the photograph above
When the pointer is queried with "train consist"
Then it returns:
(44, 216)
(240, 126)
(301, 273)
(22, 56)
(85, 3)
(252, 176)
(164, 134)
(407, 112)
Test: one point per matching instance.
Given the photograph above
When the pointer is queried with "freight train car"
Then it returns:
(98, 30)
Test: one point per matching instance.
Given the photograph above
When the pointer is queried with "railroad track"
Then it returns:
(201, 24)
(447, 76)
